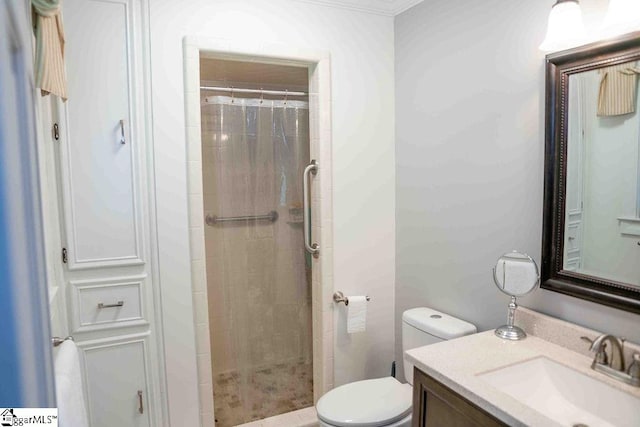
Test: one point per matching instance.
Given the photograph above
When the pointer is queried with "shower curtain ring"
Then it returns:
(232, 100)
(261, 95)
(286, 95)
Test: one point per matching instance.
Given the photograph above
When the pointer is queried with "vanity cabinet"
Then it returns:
(103, 209)
(436, 405)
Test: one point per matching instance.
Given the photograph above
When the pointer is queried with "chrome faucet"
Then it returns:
(599, 345)
(604, 364)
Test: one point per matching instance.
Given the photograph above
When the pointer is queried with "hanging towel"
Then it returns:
(617, 93)
(49, 66)
(72, 410)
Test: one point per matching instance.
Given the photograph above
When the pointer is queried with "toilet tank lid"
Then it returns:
(438, 324)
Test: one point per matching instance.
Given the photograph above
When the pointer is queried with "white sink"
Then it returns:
(566, 396)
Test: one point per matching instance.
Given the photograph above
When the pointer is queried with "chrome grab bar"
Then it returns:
(213, 220)
(312, 248)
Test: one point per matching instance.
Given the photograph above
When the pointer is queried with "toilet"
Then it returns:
(386, 402)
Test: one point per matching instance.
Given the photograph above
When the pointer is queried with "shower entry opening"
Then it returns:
(255, 150)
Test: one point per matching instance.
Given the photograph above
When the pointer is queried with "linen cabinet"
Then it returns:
(105, 203)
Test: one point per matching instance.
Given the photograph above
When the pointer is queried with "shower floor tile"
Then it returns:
(262, 393)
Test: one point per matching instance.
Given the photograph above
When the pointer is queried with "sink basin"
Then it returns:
(565, 395)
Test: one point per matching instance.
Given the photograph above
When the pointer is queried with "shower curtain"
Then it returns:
(258, 279)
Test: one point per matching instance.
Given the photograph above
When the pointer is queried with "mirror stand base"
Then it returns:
(510, 332)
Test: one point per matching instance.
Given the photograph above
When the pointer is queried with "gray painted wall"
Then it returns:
(470, 156)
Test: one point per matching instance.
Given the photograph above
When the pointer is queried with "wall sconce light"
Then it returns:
(565, 28)
(623, 16)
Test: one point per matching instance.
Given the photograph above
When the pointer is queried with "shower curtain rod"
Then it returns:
(260, 91)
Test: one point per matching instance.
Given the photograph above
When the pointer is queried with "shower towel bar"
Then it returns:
(213, 220)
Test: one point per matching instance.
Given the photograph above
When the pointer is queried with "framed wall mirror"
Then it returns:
(591, 226)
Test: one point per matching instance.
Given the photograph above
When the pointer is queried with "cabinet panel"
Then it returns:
(436, 405)
(114, 374)
(107, 303)
(99, 173)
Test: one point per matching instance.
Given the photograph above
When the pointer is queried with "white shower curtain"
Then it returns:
(258, 278)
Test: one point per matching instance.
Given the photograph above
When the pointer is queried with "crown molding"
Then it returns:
(378, 7)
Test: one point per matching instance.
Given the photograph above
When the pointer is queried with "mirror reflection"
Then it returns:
(602, 210)
(515, 274)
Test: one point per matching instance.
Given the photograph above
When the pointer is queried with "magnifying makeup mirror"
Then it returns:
(515, 274)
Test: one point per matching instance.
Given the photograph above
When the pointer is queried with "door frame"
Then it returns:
(319, 66)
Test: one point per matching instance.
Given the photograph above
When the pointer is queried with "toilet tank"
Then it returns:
(424, 326)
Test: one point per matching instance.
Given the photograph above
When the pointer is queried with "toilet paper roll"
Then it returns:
(357, 314)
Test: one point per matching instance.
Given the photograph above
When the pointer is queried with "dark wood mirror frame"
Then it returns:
(559, 66)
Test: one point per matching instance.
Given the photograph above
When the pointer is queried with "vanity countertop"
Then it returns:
(457, 364)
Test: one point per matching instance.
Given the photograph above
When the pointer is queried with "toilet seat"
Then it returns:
(368, 403)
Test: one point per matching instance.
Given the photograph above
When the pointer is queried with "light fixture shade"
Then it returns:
(623, 16)
(565, 28)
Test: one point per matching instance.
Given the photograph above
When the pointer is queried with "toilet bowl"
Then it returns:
(380, 402)
(386, 402)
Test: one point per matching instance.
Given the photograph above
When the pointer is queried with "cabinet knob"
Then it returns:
(140, 405)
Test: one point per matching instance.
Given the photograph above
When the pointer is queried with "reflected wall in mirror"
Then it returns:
(602, 218)
(591, 238)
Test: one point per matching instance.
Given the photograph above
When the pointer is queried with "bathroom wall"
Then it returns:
(470, 157)
(361, 48)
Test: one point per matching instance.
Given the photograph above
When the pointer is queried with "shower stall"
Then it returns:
(255, 148)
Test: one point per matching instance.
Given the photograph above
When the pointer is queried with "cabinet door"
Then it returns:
(436, 405)
(116, 384)
(99, 137)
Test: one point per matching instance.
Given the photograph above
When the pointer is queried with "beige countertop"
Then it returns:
(457, 364)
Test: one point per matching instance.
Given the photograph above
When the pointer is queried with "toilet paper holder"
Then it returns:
(339, 297)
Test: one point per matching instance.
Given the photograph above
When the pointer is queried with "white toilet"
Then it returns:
(385, 402)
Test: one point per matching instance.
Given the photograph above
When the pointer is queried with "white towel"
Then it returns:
(357, 314)
(519, 276)
(72, 410)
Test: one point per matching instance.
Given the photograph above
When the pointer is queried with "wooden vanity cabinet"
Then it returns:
(435, 405)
